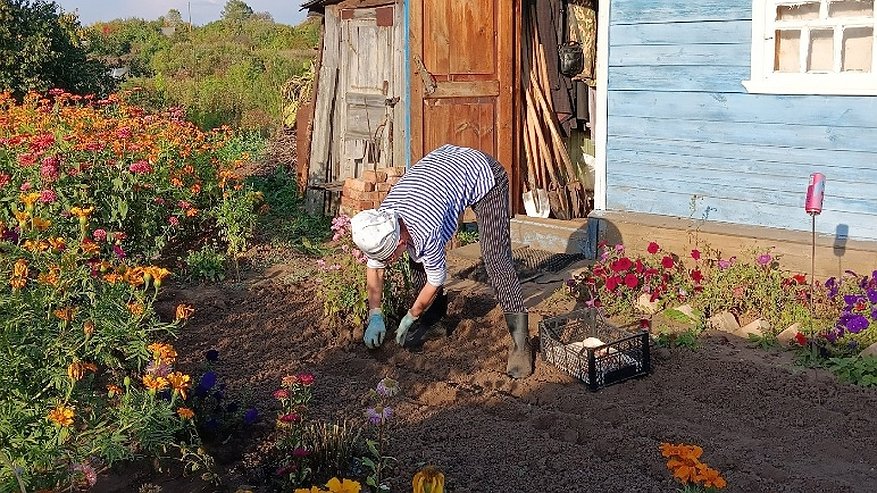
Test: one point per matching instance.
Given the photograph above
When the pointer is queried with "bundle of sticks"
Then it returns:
(551, 176)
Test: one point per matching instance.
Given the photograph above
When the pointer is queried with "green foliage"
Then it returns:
(342, 281)
(686, 339)
(861, 371)
(238, 73)
(42, 48)
(236, 10)
(207, 264)
(130, 42)
(284, 222)
(467, 237)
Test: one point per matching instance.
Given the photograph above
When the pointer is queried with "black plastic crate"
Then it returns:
(623, 355)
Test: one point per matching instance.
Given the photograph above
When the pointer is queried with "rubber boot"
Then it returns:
(520, 364)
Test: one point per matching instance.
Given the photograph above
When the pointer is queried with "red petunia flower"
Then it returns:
(667, 262)
(695, 254)
(631, 281)
(653, 248)
(801, 339)
(697, 276)
(612, 283)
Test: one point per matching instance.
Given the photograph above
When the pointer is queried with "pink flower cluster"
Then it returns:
(140, 167)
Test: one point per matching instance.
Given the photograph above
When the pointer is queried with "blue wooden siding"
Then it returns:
(686, 139)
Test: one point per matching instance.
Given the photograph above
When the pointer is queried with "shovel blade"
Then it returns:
(536, 203)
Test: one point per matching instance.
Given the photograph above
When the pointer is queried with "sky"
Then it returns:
(203, 11)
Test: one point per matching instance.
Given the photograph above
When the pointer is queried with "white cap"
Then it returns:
(376, 232)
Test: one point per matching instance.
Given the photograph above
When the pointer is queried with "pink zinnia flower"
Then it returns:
(173, 221)
(281, 394)
(48, 196)
(49, 169)
(290, 418)
(4, 179)
(305, 379)
(99, 234)
(25, 186)
(140, 167)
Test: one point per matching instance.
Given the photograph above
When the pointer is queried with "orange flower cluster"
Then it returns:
(61, 415)
(683, 461)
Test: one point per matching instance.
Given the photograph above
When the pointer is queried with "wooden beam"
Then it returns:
(482, 88)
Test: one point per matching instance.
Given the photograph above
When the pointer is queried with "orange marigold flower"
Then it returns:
(88, 328)
(18, 282)
(112, 278)
(41, 224)
(77, 369)
(62, 415)
(428, 480)
(154, 383)
(66, 313)
(179, 382)
(51, 276)
(22, 216)
(184, 311)
(177, 182)
(136, 308)
(163, 353)
(191, 212)
(157, 274)
(20, 268)
(196, 188)
(35, 246)
(186, 413)
(58, 243)
(134, 276)
(113, 390)
(89, 247)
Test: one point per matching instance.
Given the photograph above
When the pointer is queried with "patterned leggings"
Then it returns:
(492, 214)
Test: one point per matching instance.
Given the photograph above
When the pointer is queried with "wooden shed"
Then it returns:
(399, 78)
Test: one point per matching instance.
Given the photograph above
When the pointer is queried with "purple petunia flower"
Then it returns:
(764, 259)
(874, 314)
(872, 295)
(208, 380)
(852, 299)
(387, 387)
(251, 415)
(831, 284)
(856, 323)
(378, 415)
(211, 355)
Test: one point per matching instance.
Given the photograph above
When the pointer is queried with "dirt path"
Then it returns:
(767, 426)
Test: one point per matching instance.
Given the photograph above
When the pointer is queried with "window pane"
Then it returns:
(858, 42)
(851, 8)
(804, 11)
(788, 51)
(821, 56)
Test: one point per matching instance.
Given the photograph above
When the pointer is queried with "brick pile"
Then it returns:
(368, 191)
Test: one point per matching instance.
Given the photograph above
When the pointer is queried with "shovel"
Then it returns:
(535, 199)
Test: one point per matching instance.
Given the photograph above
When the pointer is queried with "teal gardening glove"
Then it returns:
(406, 323)
(374, 333)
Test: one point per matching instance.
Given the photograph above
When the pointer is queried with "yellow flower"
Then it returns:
(157, 274)
(336, 485)
(136, 308)
(155, 383)
(186, 413)
(22, 217)
(35, 246)
(29, 199)
(77, 370)
(51, 276)
(429, 480)
(179, 382)
(184, 311)
(66, 314)
(81, 212)
(312, 489)
(20, 268)
(58, 243)
(163, 353)
(112, 278)
(62, 415)
(41, 224)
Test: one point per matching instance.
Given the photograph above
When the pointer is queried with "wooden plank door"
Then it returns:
(368, 89)
(462, 60)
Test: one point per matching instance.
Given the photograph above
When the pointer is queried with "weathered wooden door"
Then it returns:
(368, 89)
(462, 61)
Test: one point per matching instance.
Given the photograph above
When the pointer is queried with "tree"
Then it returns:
(236, 10)
(41, 48)
(173, 18)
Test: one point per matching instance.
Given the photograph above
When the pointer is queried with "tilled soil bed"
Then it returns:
(767, 425)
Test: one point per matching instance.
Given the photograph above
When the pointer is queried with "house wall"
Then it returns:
(685, 139)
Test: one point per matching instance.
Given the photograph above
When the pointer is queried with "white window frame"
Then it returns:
(765, 80)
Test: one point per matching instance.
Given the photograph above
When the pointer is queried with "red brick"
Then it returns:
(374, 176)
(383, 187)
(358, 185)
(395, 171)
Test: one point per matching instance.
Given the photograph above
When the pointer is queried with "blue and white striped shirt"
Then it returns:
(430, 198)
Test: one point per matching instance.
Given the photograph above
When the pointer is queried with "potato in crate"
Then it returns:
(584, 345)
